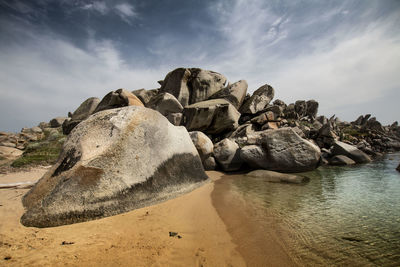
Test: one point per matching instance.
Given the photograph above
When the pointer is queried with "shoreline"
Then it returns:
(138, 238)
(258, 245)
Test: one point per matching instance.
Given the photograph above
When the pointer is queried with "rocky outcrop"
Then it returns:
(227, 154)
(340, 148)
(7, 152)
(117, 99)
(114, 161)
(234, 93)
(212, 116)
(165, 103)
(276, 177)
(85, 109)
(192, 85)
(145, 95)
(259, 100)
(286, 151)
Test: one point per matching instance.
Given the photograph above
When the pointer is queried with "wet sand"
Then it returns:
(140, 237)
(258, 245)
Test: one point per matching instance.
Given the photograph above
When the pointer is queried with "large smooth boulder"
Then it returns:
(212, 116)
(118, 98)
(259, 100)
(202, 143)
(227, 154)
(145, 95)
(114, 161)
(234, 93)
(165, 103)
(276, 177)
(192, 85)
(340, 148)
(254, 156)
(286, 151)
(81, 113)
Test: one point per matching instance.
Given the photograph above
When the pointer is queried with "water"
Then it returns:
(345, 216)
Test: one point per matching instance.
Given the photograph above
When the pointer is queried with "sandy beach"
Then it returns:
(140, 237)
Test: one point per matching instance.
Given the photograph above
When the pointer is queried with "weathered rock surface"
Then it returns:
(202, 143)
(312, 108)
(81, 113)
(209, 164)
(165, 103)
(10, 152)
(234, 93)
(276, 177)
(117, 99)
(212, 116)
(192, 85)
(114, 161)
(57, 122)
(287, 151)
(227, 154)
(341, 160)
(254, 156)
(340, 148)
(145, 95)
(259, 100)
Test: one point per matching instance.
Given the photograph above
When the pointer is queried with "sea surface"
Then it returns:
(344, 216)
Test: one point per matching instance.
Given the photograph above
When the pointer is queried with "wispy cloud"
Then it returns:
(126, 12)
(97, 6)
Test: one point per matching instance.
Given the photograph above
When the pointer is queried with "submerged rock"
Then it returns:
(276, 177)
(398, 167)
(114, 161)
(341, 160)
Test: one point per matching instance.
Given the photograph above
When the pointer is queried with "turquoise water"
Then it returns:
(344, 216)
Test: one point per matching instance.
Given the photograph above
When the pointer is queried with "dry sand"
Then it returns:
(140, 237)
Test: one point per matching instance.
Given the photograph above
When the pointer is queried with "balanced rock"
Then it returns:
(276, 177)
(165, 103)
(340, 148)
(81, 113)
(286, 151)
(192, 85)
(202, 143)
(341, 160)
(234, 93)
(227, 154)
(114, 161)
(259, 100)
(300, 107)
(212, 116)
(117, 99)
(145, 95)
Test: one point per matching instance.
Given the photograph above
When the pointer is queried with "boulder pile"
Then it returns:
(132, 148)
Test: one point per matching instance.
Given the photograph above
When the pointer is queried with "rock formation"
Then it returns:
(115, 161)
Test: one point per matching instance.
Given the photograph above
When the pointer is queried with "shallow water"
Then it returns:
(344, 216)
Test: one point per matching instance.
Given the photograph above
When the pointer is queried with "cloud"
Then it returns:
(45, 77)
(97, 6)
(126, 12)
(320, 55)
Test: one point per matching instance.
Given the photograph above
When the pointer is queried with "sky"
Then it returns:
(54, 54)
